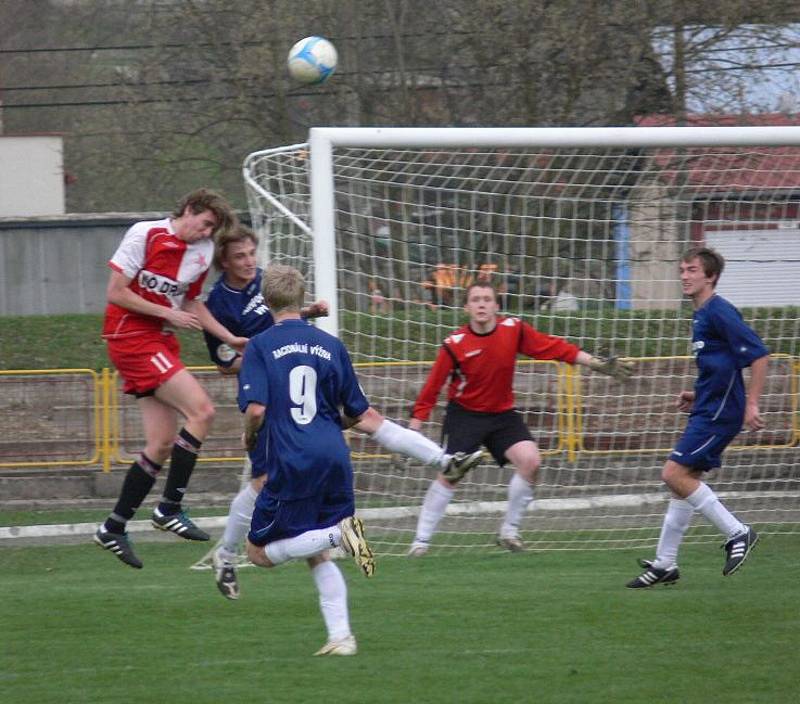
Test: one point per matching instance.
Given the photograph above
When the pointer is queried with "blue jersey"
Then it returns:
(242, 311)
(303, 376)
(723, 344)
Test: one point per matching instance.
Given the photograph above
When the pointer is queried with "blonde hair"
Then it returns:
(283, 288)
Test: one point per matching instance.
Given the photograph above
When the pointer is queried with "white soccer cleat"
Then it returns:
(345, 646)
(512, 543)
(355, 544)
(225, 576)
(418, 549)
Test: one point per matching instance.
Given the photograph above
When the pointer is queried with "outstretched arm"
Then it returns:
(620, 369)
(212, 325)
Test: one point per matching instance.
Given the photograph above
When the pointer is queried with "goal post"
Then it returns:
(581, 230)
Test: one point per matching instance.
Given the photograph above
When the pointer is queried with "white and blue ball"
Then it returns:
(312, 60)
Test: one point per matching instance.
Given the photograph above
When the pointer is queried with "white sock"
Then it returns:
(703, 499)
(408, 442)
(520, 494)
(306, 544)
(332, 599)
(433, 508)
(239, 517)
(676, 523)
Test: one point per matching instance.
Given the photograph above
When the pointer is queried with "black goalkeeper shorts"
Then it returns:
(466, 431)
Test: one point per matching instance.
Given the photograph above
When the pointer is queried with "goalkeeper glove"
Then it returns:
(620, 369)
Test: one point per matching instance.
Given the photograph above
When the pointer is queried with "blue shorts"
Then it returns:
(701, 446)
(258, 455)
(275, 519)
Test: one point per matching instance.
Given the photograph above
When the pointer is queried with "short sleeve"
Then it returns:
(353, 400)
(130, 255)
(253, 387)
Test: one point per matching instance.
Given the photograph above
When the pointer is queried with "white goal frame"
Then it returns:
(323, 140)
(306, 197)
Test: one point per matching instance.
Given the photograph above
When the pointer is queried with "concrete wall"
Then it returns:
(31, 175)
(59, 264)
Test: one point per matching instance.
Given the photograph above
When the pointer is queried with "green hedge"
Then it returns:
(73, 341)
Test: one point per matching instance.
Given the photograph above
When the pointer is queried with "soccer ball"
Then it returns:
(312, 60)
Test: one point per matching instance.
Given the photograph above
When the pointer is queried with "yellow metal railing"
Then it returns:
(41, 411)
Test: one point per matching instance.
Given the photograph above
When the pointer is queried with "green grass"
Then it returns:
(73, 341)
(70, 342)
(552, 627)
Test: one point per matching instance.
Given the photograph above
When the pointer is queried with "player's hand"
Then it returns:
(238, 343)
(318, 309)
(752, 417)
(415, 424)
(249, 441)
(620, 369)
(685, 401)
(182, 319)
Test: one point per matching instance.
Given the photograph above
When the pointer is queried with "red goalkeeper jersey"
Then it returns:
(481, 366)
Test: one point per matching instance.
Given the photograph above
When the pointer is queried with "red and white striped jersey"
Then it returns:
(162, 268)
(481, 366)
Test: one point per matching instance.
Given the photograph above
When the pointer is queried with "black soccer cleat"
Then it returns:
(653, 575)
(178, 523)
(460, 463)
(119, 544)
(737, 549)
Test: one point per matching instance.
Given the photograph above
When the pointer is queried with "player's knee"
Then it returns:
(159, 450)
(256, 555)
(204, 413)
(529, 467)
(673, 473)
(208, 411)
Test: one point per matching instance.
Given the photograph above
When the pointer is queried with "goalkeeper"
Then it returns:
(237, 302)
(479, 360)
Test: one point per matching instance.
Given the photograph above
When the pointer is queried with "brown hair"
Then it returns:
(713, 262)
(237, 233)
(481, 284)
(283, 288)
(205, 199)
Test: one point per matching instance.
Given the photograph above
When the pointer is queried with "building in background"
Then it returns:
(31, 175)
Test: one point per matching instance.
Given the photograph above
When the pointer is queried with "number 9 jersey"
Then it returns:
(303, 376)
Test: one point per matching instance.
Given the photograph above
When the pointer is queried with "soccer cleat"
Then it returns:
(178, 523)
(460, 463)
(512, 543)
(418, 548)
(345, 646)
(654, 575)
(737, 549)
(119, 544)
(355, 544)
(225, 573)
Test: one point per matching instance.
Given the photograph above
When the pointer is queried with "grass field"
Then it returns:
(78, 627)
(73, 341)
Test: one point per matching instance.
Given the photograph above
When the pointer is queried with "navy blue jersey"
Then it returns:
(242, 311)
(723, 344)
(303, 376)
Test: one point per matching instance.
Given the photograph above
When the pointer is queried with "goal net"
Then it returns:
(581, 231)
